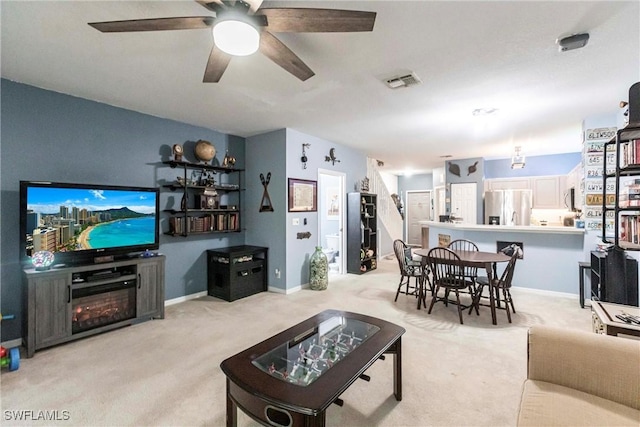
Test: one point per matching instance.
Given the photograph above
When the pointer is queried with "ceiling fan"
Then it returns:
(254, 31)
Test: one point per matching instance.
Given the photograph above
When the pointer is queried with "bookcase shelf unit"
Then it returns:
(625, 203)
(362, 233)
(207, 205)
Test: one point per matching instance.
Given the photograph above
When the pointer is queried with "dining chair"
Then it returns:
(409, 268)
(448, 274)
(502, 284)
(471, 273)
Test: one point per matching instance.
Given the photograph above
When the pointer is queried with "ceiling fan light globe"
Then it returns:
(235, 37)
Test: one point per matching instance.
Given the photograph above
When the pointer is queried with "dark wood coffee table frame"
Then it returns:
(257, 392)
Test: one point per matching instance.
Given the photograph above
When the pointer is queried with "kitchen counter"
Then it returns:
(551, 254)
(504, 228)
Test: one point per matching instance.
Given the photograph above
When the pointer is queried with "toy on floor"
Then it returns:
(9, 359)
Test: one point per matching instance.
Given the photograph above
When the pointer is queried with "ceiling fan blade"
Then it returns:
(275, 50)
(286, 20)
(159, 24)
(216, 65)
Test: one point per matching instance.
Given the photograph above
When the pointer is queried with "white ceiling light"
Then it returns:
(236, 36)
(517, 161)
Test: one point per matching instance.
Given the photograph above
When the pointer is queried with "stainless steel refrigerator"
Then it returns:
(507, 207)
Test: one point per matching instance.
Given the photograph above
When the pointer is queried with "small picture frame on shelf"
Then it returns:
(303, 195)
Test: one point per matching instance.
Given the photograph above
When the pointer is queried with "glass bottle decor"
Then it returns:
(318, 270)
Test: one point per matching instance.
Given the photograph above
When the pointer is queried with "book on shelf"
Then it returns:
(629, 228)
(206, 223)
(629, 195)
(630, 155)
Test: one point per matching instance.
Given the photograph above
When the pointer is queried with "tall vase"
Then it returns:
(318, 270)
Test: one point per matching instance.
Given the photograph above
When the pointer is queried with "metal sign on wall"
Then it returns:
(594, 165)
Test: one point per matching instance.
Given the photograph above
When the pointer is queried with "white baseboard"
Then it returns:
(547, 292)
(287, 291)
(185, 298)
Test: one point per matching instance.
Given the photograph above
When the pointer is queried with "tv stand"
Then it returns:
(66, 303)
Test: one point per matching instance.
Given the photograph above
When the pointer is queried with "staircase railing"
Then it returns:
(387, 211)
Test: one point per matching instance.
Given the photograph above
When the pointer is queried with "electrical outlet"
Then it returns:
(295, 221)
(277, 273)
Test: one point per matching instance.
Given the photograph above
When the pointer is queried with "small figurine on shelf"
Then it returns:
(365, 185)
(228, 161)
(177, 152)
(207, 179)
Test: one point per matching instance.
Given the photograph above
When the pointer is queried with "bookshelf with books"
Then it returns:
(624, 207)
(619, 284)
(209, 199)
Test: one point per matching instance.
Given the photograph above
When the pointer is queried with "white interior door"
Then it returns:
(418, 209)
(464, 202)
(332, 217)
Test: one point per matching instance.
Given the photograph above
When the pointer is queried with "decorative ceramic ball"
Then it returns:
(204, 151)
(42, 260)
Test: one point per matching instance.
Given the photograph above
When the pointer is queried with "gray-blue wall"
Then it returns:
(49, 136)
(268, 228)
(414, 182)
(352, 162)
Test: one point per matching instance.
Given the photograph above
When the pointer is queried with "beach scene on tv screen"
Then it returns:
(74, 219)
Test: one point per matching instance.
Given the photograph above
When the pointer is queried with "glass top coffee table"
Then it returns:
(291, 378)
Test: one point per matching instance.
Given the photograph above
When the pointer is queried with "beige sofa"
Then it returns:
(580, 379)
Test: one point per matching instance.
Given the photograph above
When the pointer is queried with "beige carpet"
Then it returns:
(166, 372)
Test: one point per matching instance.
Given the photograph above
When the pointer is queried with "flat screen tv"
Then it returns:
(81, 223)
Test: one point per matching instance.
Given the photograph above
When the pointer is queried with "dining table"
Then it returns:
(478, 259)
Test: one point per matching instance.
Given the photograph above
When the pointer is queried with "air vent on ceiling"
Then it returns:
(403, 81)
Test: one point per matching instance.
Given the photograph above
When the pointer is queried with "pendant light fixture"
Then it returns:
(517, 161)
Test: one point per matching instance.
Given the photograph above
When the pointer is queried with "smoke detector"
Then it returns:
(403, 81)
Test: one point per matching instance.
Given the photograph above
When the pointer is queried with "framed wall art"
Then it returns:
(303, 195)
(333, 203)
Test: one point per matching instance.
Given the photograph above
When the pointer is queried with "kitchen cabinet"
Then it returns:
(549, 192)
(508, 184)
(573, 178)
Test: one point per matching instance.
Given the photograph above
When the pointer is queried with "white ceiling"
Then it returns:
(469, 54)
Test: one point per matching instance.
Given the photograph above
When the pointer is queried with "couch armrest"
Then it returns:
(608, 367)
